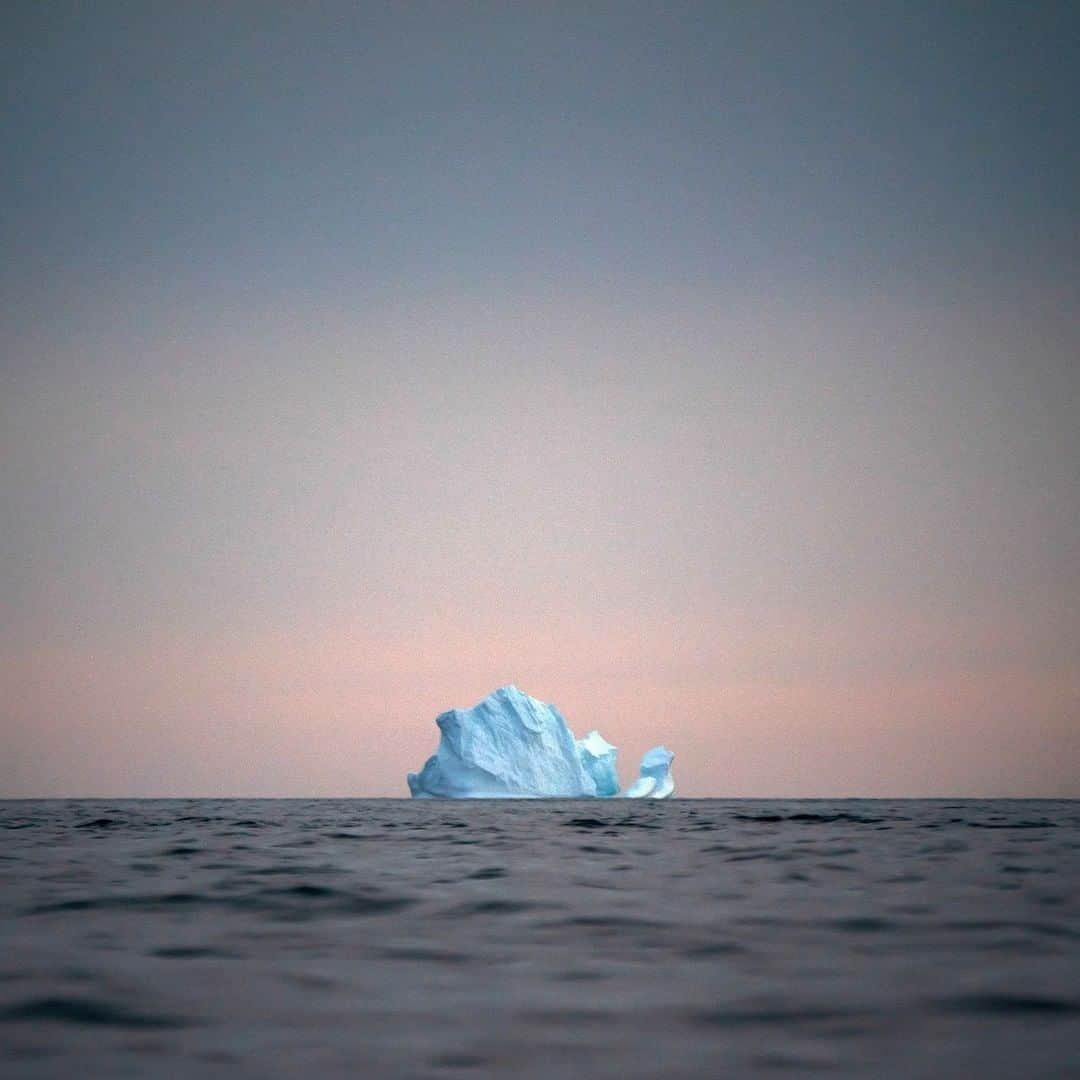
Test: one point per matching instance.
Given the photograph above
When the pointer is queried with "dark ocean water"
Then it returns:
(539, 939)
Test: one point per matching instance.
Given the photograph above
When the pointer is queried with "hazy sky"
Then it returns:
(710, 370)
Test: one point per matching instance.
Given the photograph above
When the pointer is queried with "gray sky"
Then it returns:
(709, 370)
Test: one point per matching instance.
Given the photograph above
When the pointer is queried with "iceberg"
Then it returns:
(655, 781)
(511, 745)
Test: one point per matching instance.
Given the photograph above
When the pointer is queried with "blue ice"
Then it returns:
(511, 745)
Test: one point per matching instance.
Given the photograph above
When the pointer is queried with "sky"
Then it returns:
(711, 371)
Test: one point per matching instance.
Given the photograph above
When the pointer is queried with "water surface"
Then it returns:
(539, 939)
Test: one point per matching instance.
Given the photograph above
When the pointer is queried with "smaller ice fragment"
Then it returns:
(598, 758)
(655, 781)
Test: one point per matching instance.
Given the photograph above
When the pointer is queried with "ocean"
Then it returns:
(604, 938)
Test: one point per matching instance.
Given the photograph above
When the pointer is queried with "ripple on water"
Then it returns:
(294, 901)
(810, 819)
(84, 1010)
(1006, 1004)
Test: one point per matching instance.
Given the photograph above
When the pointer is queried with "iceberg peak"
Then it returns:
(596, 744)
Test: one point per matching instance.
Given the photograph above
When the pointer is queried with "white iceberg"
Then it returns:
(655, 781)
(511, 745)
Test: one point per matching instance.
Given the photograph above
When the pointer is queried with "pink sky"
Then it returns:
(817, 549)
